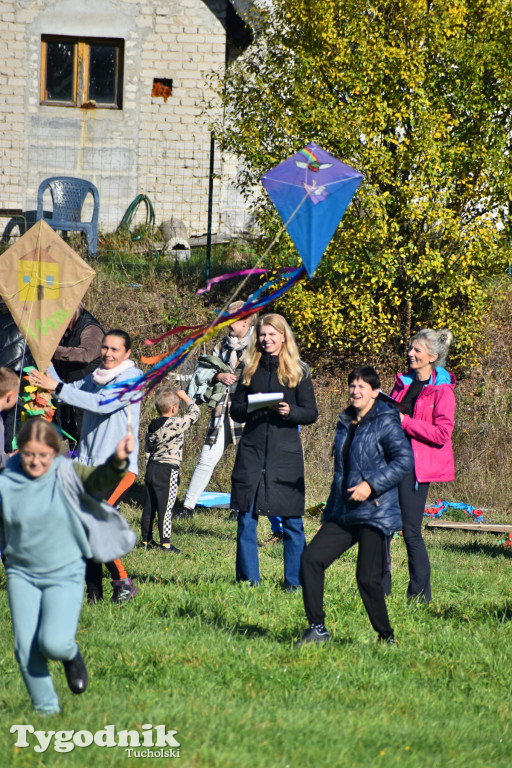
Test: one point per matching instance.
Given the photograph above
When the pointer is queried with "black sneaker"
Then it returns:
(124, 590)
(313, 635)
(274, 539)
(149, 545)
(76, 674)
(388, 640)
(183, 513)
(171, 548)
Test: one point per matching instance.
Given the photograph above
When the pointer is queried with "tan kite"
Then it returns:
(42, 281)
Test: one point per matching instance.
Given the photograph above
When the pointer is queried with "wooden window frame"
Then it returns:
(81, 71)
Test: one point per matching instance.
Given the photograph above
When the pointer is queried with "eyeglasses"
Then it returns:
(44, 458)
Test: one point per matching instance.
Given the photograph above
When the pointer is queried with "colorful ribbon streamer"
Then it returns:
(135, 389)
(241, 272)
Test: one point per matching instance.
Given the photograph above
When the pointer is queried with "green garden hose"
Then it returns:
(126, 221)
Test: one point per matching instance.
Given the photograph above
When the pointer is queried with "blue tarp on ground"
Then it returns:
(209, 499)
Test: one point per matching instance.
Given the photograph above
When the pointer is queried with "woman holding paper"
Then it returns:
(268, 476)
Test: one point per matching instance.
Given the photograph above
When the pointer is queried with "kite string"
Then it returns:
(178, 354)
(260, 259)
(219, 322)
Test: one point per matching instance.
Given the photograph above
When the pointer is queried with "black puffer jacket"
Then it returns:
(380, 454)
(14, 353)
(269, 465)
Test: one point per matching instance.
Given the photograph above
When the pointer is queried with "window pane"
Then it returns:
(60, 68)
(103, 74)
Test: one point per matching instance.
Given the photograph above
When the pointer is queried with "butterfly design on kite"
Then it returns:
(316, 194)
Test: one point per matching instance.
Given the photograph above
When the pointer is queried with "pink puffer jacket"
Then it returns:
(431, 425)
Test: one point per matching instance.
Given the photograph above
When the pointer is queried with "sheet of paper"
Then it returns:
(263, 400)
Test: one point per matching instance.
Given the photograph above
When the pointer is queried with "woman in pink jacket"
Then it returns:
(427, 402)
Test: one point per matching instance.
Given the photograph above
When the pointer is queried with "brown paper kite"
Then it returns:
(42, 281)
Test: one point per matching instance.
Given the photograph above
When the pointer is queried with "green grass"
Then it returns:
(215, 661)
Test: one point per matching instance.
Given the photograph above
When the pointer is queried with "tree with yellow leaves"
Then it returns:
(417, 95)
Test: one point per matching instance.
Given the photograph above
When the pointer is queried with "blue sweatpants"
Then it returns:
(45, 609)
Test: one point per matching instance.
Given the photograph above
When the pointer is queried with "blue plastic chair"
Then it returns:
(68, 196)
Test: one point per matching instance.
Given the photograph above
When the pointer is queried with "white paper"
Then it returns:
(263, 400)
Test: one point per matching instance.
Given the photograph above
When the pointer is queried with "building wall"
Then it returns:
(153, 146)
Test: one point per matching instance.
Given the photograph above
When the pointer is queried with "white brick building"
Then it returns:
(112, 91)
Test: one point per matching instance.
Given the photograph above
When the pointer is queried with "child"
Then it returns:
(164, 452)
(9, 389)
(371, 455)
(48, 524)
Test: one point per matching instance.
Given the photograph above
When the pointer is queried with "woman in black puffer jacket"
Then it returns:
(14, 354)
(371, 455)
(268, 476)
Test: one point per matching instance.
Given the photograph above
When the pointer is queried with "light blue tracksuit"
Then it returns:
(44, 542)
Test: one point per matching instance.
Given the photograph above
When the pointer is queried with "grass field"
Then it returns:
(215, 662)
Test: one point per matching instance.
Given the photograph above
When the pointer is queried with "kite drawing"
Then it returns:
(311, 191)
(42, 281)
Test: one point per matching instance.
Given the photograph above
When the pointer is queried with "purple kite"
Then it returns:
(311, 192)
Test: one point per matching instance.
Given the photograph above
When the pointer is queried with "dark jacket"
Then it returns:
(86, 357)
(380, 454)
(269, 465)
(14, 352)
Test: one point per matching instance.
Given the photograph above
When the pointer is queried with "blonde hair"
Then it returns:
(435, 343)
(165, 398)
(9, 381)
(291, 369)
(40, 430)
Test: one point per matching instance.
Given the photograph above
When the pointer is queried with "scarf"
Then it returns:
(103, 376)
(231, 346)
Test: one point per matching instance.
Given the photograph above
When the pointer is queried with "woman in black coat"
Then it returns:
(268, 476)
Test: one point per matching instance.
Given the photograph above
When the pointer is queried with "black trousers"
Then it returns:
(412, 504)
(161, 488)
(330, 542)
(413, 498)
(116, 569)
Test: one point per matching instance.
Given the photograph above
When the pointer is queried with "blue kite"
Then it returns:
(311, 191)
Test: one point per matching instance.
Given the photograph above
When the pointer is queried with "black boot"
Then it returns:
(76, 674)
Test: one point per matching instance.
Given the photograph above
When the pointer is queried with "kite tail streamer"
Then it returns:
(228, 276)
(135, 389)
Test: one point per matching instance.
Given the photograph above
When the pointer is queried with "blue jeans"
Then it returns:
(276, 524)
(247, 561)
(45, 609)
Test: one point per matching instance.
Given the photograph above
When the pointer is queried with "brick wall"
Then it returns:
(160, 147)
